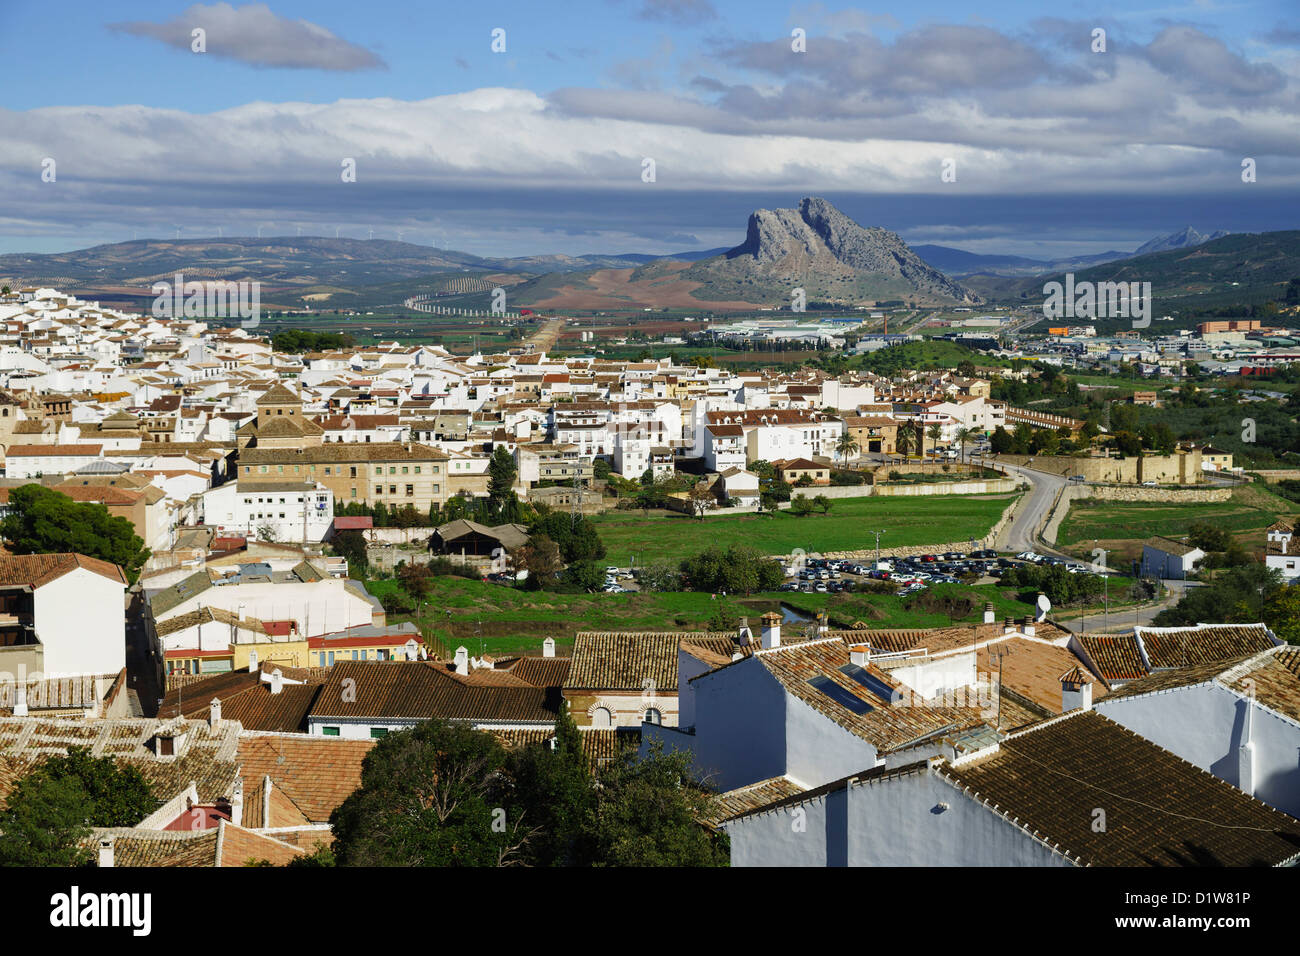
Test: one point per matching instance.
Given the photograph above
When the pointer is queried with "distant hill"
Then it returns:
(814, 247)
(291, 260)
(1185, 238)
(1239, 267)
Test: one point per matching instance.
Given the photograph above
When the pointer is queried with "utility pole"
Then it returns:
(877, 534)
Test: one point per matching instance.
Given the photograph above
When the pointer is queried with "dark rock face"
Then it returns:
(818, 242)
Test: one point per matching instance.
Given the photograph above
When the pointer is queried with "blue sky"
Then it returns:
(1058, 149)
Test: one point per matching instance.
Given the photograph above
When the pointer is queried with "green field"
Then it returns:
(906, 521)
(1248, 513)
(497, 619)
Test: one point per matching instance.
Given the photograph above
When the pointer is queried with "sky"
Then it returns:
(519, 128)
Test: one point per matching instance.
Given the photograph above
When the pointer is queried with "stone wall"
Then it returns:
(1178, 469)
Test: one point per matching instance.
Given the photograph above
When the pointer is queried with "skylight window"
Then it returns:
(841, 695)
(870, 681)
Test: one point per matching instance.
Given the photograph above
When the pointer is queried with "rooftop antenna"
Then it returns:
(998, 654)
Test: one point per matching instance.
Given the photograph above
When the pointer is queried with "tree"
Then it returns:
(577, 538)
(647, 813)
(51, 810)
(415, 579)
(1001, 442)
(429, 796)
(800, 506)
(501, 475)
(44, 521)
(352, 546)
(586, 575)
(935, 432)
(700, 499)
(822, 504)
(659, 577)
(540, 557)
(560, 791)
(964, 435)
(847, 446)
(740, 569)
(600, 469)
(903, 441)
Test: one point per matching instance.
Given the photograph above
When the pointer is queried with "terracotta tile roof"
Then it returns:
(733, 803)
(1032, 669)
(887, 725)
(315, 773)
(1202, 644)
(542, 671)
(1160, 810)
(625, 660)
(419, 690)
(1273, 678)
(1116, 658)
(38, 570)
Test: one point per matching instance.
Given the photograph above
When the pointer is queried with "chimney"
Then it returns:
(1246, 752)
(277, 681)
(214, 712)
(462, 660)
(20, 699)
(990, 616)
(106, 852)
(1076, 690)
(1009, 626)
(252, 660)
(548, 647)
(237, 803)
(771, 632)
(860, 654)
(823, 627)
(1029, 627)
(743, 635)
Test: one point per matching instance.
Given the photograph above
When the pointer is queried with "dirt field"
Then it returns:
(613, 290)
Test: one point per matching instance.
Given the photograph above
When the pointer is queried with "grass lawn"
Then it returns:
(906, 521)
(1246, 514)
(496, 619)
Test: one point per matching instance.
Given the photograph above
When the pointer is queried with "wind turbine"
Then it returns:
(372, 234)
(178, 232)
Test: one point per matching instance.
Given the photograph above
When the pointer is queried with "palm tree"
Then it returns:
(919, 427)
(903, 442)
(847, 446)
(963, 436)
(935, 432)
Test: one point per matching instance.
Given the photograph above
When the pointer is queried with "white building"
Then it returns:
(61, 614)
(275, 507)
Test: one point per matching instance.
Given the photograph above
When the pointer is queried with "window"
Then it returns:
(379, 489)
(392, 489)
(410, 491)
(870, 681)
(378, 732)
(653, 716)
(405, 470)
(330, 731)
(417, 469)
(601, 717)
(354, 472)
(840, 695)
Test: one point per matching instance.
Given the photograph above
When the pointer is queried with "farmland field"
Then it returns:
(906, 522)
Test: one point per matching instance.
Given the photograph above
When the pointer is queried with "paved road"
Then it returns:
(1018, 535)
(1121, 620)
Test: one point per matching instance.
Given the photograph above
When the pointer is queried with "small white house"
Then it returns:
(275, 507)
(1169, 559)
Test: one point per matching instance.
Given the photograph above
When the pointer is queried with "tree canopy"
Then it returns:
(442, 794)
(44, 521)
(51, 810)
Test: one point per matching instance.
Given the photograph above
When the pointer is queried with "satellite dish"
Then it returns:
(1044, 605)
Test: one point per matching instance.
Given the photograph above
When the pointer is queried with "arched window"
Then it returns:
(653, 716)
(601, 717)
